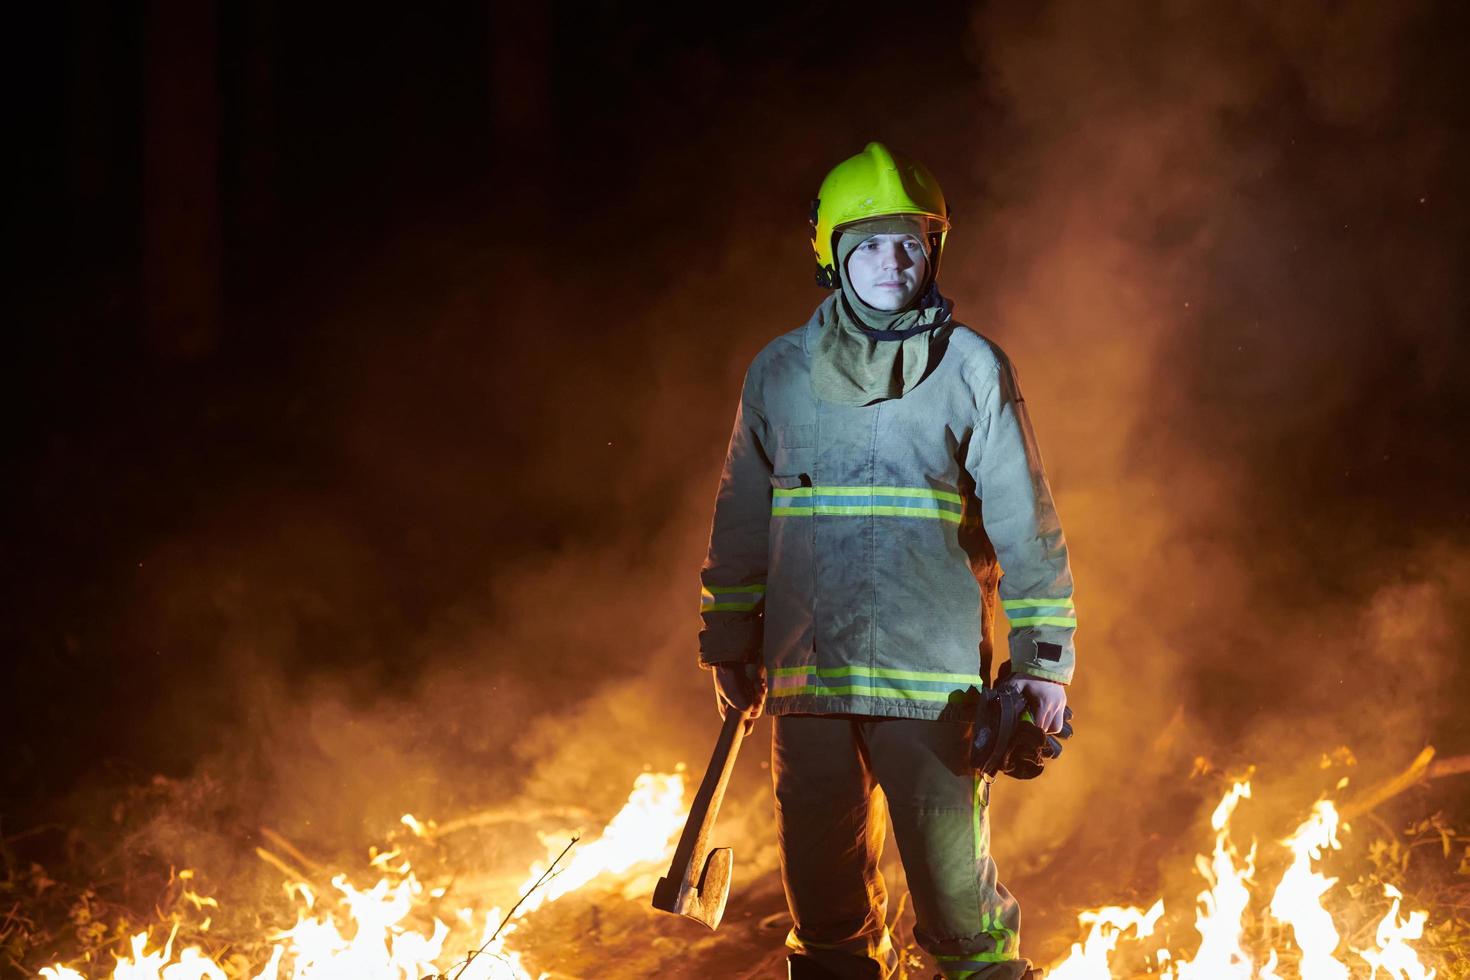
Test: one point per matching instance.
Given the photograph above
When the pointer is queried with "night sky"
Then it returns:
(372, 370)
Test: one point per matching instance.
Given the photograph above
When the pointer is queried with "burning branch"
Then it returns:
(281, 843)
(294, 873)
(1420, 771)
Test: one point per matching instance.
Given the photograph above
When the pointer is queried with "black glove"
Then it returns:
(1031, 747)
(1007, 741)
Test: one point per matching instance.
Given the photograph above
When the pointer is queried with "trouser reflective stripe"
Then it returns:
(830, 820)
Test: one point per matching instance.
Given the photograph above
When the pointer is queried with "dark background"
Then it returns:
(372, 369)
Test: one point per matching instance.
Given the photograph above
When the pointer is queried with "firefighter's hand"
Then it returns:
(1048, 700)
(742, 687)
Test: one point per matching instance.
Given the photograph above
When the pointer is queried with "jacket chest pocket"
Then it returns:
(796, 450)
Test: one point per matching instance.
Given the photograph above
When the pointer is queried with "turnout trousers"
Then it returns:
(836, 778)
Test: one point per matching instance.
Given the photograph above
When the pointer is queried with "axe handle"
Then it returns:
(688, 861)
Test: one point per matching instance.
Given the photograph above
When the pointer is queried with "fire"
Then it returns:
(1090, 958)
(1298, 899)
(1394, 956)
(654, 814)
(373, 942)
(1223, 905)
(143, 965)
(1224, 908)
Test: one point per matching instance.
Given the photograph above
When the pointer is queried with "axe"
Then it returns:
(698, 882)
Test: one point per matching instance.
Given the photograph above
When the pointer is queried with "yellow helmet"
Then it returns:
(875, 184)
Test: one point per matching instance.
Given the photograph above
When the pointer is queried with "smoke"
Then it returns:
(1221, 246)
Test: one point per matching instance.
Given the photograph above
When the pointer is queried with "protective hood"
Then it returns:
(864, 355)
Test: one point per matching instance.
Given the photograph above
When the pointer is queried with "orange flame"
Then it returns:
(1394, 956)
(373, 943)
(1298, 899)
(1224, 905)
(1089, 959)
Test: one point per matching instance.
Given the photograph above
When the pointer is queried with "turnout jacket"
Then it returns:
(851, 546)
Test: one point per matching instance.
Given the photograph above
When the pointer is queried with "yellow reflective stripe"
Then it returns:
(894, 692)
(958, 966)
(1035, 603)
(820, 491)
(733, 598)
(884, 672)
(800, 502)
(1045, 621)
(866, 510)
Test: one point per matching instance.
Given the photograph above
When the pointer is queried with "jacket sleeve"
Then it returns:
(1021, 522)
(733, 579)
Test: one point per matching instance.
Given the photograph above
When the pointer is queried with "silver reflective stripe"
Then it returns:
(730, 598)
(922, 502)
(1040, 612)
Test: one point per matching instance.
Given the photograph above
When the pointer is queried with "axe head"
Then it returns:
(705, 901)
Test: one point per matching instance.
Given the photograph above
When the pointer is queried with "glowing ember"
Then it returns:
(374, 943)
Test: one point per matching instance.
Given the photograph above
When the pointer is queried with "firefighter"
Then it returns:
(881, 473)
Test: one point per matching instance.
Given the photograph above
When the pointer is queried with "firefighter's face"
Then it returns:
(887, 270)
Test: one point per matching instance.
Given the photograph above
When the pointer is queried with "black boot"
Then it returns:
(800, 967)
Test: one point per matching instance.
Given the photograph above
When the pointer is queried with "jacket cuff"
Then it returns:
(1023, 670)
(712, 664)
(1046, 656)
(736, 643)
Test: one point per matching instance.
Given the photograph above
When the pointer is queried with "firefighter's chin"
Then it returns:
(885, 297)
